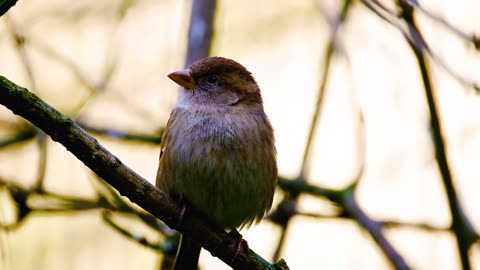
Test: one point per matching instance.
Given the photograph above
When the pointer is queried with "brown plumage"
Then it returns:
(218, 152)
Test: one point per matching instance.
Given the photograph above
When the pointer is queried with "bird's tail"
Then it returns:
(187, 255)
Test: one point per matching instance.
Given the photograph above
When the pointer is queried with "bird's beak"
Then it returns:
(183, 78)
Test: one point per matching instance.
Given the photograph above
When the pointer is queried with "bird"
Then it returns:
(218, 152)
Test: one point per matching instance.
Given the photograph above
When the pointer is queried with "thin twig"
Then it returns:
(470, 38)
(344, 198)
(461, 225)
(118, 134)
(416, 38)
(139, 238)
(19, 44)
(374, 228)
(200, 31)
(292, 198)
(23, 134)
(27, 65)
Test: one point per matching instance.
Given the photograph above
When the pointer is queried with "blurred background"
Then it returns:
(368, 181)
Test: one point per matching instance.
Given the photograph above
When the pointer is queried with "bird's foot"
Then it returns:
(241, 243)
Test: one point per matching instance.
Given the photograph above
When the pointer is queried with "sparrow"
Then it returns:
(218, 153)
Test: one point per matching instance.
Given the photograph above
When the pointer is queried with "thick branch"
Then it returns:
(86, 148)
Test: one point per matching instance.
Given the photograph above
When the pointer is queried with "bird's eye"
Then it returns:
(211, 79)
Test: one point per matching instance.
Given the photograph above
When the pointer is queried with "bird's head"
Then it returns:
(217, 81)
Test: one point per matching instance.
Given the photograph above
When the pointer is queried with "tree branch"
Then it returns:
(461, 226)
(349, 208)
(200, 31)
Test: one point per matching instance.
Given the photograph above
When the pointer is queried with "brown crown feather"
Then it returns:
(219, 65)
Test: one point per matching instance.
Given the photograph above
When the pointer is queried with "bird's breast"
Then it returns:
(223, 163)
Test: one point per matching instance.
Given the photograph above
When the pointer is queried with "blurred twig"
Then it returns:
(413, 34)
(27, 65)
(35, 199)
(19, 44)
(68, 63)
(200, 31)
(32, 199)
(470, 38)
(340, 214)
(409, 225)
(345, 199)
(142, 240)
(373, 227)
(22, 134)
(461, 226)
(93, 89)
(42, 159)
(325, 67)
(118, 134)
(287, 207)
